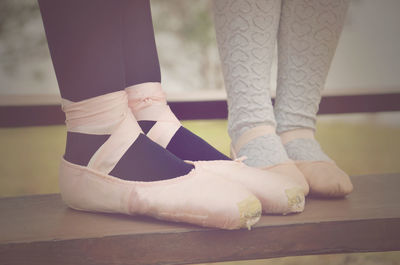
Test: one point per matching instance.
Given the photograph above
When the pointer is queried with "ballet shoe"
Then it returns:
(325, 178)
(199, 197)
(286, 168)
(278, 194)
(290, 168)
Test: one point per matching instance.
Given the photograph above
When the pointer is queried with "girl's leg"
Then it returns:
(246, 35)
(308, 35)
(109, 164)
(88, 42)
(84, 39)
(143, 82)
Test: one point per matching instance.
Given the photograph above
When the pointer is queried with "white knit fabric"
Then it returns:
(307, 32)
(246, 35)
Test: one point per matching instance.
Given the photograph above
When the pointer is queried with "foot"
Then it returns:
(263, 149)
(323, 175)
(116, 169)
(149, 161)
(149, 106)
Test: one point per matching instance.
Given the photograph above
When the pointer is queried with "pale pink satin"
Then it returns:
(98, 115)
(148, 102)
(278, 194)
(199, 197)
(325, 178)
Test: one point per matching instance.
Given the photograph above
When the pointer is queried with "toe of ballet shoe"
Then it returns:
(291, 170)
(325, 178)
(205, 199)
(278, 194)
(296, 200)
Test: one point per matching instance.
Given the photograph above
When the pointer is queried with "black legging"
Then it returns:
(100, 46)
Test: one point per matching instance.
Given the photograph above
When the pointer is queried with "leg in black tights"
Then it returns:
(141, 65)
(88, 41)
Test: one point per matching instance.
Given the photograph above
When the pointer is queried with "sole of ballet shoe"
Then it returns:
(278, 194)
(198, 198)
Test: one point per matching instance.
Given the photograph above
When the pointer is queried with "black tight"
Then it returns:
(100, 46)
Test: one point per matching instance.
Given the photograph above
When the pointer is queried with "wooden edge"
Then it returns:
(197, 247)
(16, 116)
(367, 221)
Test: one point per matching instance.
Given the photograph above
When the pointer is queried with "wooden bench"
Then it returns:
(42, 230)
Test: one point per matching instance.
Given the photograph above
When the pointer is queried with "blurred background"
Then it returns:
(367, 62)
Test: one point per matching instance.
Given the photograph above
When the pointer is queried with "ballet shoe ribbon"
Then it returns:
(98, 115)
(148, 103)
(108, 114)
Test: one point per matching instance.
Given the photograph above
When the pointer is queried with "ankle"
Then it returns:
(250, 134)
(145, 95)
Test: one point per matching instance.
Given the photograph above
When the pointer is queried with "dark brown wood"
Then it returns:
(14, 116)
(42, 230)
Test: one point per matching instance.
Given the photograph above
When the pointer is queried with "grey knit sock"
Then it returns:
(308, 34)
(303, 149)
(246, 34)
(264, 151)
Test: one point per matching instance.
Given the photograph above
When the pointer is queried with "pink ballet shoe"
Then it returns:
(199, 197)
(287, 168)
(278, 193)
(325, 178)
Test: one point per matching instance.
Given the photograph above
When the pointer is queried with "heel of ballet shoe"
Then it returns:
(86, 190)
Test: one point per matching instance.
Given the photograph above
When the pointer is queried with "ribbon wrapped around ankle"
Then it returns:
(144, 95)
(98, 115)
(108, 114)
(148, 103)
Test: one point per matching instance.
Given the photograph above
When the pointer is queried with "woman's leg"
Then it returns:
(309, 31)
(110, 165)
(144, 81)
(88, 41)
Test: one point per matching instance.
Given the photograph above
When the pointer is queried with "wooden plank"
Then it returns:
(41, 230)
(33, 115)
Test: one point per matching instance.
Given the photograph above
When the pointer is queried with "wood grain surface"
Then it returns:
(42, 230)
